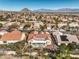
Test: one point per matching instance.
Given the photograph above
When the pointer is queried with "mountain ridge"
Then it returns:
(45, 10)
(58, 10)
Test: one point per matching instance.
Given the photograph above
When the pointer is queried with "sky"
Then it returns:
(17, 5)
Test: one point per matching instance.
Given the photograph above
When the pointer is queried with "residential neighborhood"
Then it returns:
(39, 29)
(39, 35)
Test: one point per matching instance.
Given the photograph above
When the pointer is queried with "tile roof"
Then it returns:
(36, 34)
(11, 36)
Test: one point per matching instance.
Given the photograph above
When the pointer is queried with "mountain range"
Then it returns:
(25, 10)
(58, 10)
(46, 10)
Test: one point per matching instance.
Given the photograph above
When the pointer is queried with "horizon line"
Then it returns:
(37, 9)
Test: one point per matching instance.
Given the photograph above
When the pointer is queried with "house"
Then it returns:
(74, 24)
(40, 39)
(65, 38)
(61, 24)
(12, 37)
(36, 25)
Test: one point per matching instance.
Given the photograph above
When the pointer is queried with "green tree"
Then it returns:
(63, 52)
(56, 20)
(1, 25)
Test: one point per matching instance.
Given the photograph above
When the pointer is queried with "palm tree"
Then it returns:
(68, 22)
(63, 52)
(69, 48)
(58, 56)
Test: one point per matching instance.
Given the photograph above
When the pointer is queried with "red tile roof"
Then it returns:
(35, 34)
(11, 36)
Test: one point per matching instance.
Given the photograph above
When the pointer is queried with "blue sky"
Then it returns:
(37, 4)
